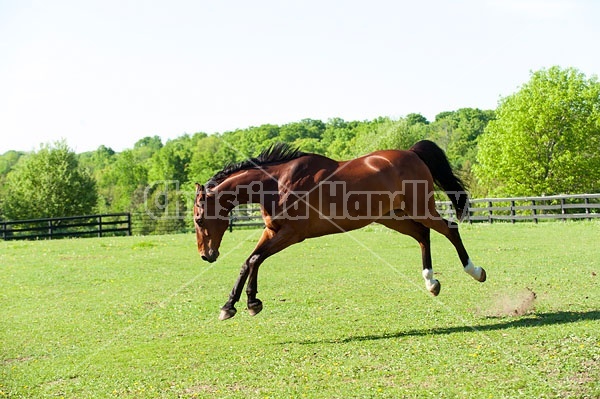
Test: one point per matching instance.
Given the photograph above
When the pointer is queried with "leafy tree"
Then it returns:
(385, 133)
(458, 131)
(164, 201)
(338, 137)
(164, 209)
(414, 119)
(97, 161)
(123, 184)
(546, 138)
(305, 129)
(209, 156)
(309, 144)
(171, 162)
(50, 183)
(146, 147)
(8, 160)
(244, 143)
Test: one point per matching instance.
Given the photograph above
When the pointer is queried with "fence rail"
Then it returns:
(72, 226)
(555, 207)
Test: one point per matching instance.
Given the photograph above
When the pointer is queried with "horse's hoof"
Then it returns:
(227, 313)
(435, 288)
(483, 276)
(254, 308)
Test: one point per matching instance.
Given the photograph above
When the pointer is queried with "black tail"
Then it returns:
(435, 159)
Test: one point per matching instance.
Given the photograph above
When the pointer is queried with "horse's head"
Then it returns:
(210, 224)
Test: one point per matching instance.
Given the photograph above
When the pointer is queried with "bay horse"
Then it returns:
(304, 195)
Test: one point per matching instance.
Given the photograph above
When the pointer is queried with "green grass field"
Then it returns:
(345, 316)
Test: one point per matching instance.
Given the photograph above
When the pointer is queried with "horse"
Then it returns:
(303, 195)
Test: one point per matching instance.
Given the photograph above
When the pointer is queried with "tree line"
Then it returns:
(544, 139)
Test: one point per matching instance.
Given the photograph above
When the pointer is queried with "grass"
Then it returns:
(346, 316)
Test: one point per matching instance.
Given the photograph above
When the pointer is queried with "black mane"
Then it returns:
(277, 153)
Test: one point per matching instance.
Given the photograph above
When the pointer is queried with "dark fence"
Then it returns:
(554, 207)
(72, 226)
(245, 216)
(145, 223)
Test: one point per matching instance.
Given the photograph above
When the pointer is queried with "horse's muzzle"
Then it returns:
(211, 256)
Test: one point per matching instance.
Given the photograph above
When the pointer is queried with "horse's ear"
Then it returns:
(199, 188)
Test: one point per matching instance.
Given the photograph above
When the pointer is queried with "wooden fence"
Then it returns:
(554, 207)
(73, 226)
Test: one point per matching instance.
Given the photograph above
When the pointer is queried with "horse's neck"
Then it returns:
(248, 186)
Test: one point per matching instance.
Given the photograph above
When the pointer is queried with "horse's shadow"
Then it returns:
(533, 320)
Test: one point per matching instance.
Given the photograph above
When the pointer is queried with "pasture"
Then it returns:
(345, 316)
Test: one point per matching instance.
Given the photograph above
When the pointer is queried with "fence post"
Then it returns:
(512, 211)
(535, 220)
(469, 213)
(99, 225)
(490, 213)
(586, 201)
(562, 208)
(128, 223)
(50, 228)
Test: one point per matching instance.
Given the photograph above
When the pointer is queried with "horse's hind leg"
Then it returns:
(421, 234)
(421, 207)
(450, 231)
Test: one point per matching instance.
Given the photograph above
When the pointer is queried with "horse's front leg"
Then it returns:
(249, 268)
(270, 243)
(254, 304)
(228, 310)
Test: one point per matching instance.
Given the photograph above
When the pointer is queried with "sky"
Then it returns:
(112, 72)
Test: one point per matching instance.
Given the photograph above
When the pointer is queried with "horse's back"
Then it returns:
(383, 169)
(384, 164)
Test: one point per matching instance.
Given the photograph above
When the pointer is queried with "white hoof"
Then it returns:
(478, 273)
(431, 284)
(434, 288)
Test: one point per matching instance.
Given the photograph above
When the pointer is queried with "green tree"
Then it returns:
(8, 160)
(305, 129)
(414, 119)
(146, 147)
(49, 183)
(172, 161)
(386, 133)
(457, 132)
(97, 161)
(123, 184)
(210, 155)
(546, 138)
(338, 137)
